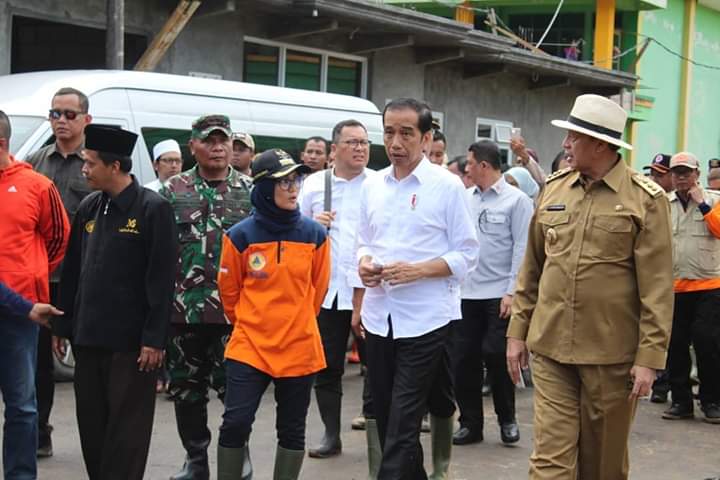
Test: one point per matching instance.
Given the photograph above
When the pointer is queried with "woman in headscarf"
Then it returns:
(274, 273)
(521, 178)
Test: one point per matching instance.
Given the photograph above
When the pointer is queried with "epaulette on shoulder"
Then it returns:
(558, 174)
(652, 188)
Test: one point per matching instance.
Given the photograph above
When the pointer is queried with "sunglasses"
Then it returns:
(56, 113)
(285, 183)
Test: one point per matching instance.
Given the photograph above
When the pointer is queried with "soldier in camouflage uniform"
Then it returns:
(207, 200)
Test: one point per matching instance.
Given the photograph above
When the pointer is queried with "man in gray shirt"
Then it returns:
(501, 216)
(60, 162)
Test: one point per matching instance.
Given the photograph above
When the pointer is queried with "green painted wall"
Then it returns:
(659, 74)
(660, 78)
(704, 134)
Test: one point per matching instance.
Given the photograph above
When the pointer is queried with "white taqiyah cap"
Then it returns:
(166, 146)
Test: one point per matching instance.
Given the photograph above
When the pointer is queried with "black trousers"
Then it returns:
(115, 406)
(245, 388)
(696, 320)
(44, 377)
(334, 328)
(408, 377)
(478, 342)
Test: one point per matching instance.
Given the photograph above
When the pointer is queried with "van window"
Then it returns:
(378, 157)
(22, 127)
(153, 136)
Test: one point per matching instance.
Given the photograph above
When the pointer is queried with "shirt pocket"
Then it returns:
(78, 189)
(611, 237)
(493, 223)
(557, 231)
(189, 222)
(234, 211)
(699, 227)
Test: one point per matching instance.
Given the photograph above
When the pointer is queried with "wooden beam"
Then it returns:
(432, 56)
(519, 40)
(367, 44)
(167, 35)
(474, 70)
(301, 29)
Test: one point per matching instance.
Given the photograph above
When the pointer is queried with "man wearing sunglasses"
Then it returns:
(207, 199)
(60, 162)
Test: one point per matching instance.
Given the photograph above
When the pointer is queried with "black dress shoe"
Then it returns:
(678, 411)
(659, 397)
(509, 432)
(712, 412)
(466, 436)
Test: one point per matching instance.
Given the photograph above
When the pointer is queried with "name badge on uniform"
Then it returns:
(555, 208)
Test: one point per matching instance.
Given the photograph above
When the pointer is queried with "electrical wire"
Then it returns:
(552, 22)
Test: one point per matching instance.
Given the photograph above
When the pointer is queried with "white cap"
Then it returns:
(164, 147)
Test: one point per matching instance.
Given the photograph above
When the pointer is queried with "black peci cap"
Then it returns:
(109, 139)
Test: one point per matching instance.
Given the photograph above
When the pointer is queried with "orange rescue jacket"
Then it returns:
(272, 287)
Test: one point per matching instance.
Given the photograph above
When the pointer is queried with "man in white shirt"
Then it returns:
(167, 161)
(352, 152)
(502, 215)
(416, 243)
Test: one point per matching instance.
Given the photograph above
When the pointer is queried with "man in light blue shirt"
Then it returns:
(501, 216)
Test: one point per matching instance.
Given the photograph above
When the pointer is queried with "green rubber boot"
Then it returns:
(230, 462)
(441, 432)
(287, 463)
(374, 452)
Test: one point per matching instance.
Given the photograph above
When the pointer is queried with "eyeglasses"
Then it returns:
(356, 143)
(171, 161)
(285, 183)
(56, 113)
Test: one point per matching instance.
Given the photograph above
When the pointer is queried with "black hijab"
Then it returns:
(271, 217)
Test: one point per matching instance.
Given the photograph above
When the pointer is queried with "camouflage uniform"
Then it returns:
(200, 329)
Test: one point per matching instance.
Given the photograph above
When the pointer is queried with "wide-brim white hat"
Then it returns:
(598, 117)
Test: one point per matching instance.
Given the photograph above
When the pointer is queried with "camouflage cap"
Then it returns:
(275, 164)
(205, 125)
(244, 138)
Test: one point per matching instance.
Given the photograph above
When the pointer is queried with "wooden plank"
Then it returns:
(519, 40)
(167, 35)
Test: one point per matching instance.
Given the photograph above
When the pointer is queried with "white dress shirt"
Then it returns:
(501, 216)
(422, 217)
(346, 204)
(155, 185)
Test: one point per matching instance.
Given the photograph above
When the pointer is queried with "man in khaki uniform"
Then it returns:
(593, 301)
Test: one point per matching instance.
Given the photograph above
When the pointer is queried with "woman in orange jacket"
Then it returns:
(274, 273)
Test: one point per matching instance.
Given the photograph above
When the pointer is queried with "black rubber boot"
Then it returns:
(329, 404)
(195, 437)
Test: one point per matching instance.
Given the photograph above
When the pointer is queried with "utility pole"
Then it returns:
(115, 40)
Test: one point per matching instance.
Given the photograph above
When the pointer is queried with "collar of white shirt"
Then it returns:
(422, 172)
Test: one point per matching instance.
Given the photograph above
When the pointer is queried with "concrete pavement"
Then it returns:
(661, 449)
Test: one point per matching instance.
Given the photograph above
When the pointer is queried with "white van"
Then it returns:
(161, 106)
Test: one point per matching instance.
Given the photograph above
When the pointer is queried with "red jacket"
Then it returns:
(34, 230)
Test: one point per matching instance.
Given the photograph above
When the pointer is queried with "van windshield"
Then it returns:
(22, 127)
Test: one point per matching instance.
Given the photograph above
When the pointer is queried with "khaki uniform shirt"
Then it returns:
(596, 282)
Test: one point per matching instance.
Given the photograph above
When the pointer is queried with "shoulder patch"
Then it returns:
(652, 188)
(558, 174)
